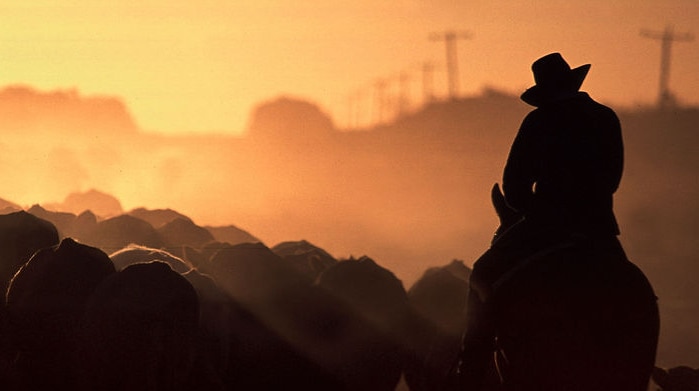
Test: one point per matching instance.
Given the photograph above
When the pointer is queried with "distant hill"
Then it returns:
(101, 204)
(492, 114)
(27, 109)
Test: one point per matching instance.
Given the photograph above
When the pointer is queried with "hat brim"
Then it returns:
(536, 95)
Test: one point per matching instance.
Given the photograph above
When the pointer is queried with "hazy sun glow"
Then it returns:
(201, 66)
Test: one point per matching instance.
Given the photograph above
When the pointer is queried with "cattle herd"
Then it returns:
(150, 303)
(143, 302)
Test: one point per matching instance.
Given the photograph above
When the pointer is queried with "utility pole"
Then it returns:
(358, 108)
(450, 37)
(666, 38)
(353, 110)
(427, 83)
(403, 93)
(380, 86)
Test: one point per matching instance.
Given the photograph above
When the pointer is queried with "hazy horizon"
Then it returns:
(201, 67)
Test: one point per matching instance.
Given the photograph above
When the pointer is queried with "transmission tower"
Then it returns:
(666, 38)
(450, 38)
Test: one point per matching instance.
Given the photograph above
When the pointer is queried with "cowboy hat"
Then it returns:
(553, 77)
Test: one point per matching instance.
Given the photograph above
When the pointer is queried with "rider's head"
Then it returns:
(554, 79)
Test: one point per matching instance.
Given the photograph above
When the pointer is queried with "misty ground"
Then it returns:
(411, 195)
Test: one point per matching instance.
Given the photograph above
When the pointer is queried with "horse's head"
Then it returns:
(508, 216)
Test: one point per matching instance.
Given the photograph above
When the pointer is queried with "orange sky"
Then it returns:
(200, 66)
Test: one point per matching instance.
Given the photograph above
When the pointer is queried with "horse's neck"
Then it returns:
(530, 260)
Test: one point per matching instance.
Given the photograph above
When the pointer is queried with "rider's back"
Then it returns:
(570, 152)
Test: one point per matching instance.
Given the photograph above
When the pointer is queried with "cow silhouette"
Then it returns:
(120, 231)
(183, 232)
(46, 301)
(214, 334)
(134, 253)
(681, 378)
(213, 345)
(307, 258)
(378, 300)
(21, 235)
(139, 331)
(273, 313)
(438, 300)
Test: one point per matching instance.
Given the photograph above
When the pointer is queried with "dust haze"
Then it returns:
(411, 193)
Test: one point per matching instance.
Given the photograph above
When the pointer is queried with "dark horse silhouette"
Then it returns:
(575, 316)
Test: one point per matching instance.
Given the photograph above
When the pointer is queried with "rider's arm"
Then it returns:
(521, 169)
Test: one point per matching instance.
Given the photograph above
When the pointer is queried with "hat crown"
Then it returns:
(551, 70)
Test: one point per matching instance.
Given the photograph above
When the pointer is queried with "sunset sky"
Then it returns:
(201, 66)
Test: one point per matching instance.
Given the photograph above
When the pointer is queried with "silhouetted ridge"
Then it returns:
(23, 107)
(492, 114)
(289, 120)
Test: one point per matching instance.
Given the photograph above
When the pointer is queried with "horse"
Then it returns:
(576, 315)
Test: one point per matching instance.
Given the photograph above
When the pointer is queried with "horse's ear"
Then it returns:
(498, 198)
(503, 210)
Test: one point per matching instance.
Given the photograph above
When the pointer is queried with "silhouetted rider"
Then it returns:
(563, 168)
